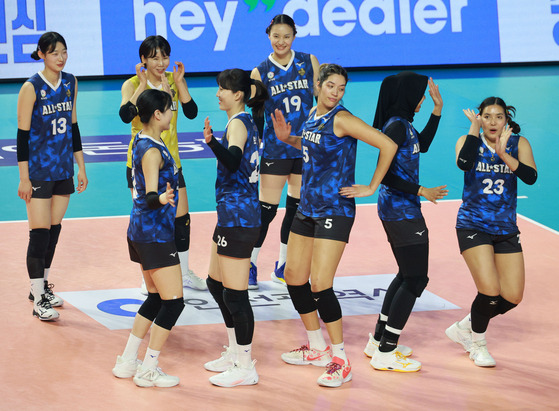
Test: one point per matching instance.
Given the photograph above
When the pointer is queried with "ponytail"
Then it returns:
(256, 102)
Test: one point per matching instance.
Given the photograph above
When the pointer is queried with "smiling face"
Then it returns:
(493, 120)
(227, 99)
(55, 60)
(281, 38)
(157, 64)
(331, 91)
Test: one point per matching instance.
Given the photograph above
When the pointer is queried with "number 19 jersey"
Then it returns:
(489, 196)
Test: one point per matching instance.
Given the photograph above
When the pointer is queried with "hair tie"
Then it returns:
(252, 81)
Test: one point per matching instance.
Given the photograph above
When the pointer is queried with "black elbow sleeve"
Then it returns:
(22, 145)
(127, 112)
(527, 174)
(190, 109)
(468, 153)
(76, 138)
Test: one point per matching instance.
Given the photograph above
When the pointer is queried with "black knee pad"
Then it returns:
(238, 304)
(53, 240)
(504, 306)
(169, 313)
(215, 288)
(38, 242)
(182, 232)
(301, 296)
(415, 285)
(291, 205)
(151, 306)
(267, 214)
(328, 305)
(486, 305)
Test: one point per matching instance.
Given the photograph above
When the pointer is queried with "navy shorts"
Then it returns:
(236, 242)
(502, 244)
(330, 228)
(281, 167)
(153, 255)
(47, 189)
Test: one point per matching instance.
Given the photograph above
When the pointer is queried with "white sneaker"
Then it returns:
(154, 378)
(55, 301)
(191, 280)
(125, 368)
(480, 356)
(393, 361)
(373, 344)
(43, 310)
(460, 336)
(143, 288)
(337, 372)
(223, 363)
(236, 375)
(305, 355)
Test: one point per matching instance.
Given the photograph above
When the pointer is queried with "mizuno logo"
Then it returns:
(461, 159)
(35, 188)
(299, 64)
(471, 237)
(493, 302)
(267, 207)
(173, 254)
(316, 299)
(152, 356)
(420, 233)
(268, 164)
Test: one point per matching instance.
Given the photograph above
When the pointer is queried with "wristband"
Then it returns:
(152, 200)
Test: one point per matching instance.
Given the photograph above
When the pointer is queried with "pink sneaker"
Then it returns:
(337, 372)
(305, 355)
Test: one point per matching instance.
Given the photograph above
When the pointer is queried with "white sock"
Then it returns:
(150, 360)
(338, 350)
(183, 257)
(254, 255)
(232, 337)
(282, 254)
(478, 336)
(37, 288)
(132, 346)
(47, 270)
(316, 339)
(465, 323)
(244, 355)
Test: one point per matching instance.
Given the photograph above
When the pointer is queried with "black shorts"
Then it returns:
(334, 227)
(131, 183)
(47, 189)
(502, 244)
(236, 242)
(406, 232)
(281, 167)
(153, 255)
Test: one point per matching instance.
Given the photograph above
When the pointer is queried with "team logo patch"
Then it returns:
(68, 93)
(43, 94)
(301, 72)
(270, 75)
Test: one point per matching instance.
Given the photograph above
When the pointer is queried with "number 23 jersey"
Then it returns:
(489, 196)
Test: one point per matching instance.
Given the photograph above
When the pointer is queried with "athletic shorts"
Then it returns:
(131, 183)
(333, 227)
(47, 189)
(406, 232)
(281, 167)
(236, 242)
(153, 255)
(502, 244)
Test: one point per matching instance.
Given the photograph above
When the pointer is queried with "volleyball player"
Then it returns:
(399, 209)
(151, 235)
(290, 77)
(324, 219)
(488, 236)
(238, 223)
(47, 136)
(151, 73)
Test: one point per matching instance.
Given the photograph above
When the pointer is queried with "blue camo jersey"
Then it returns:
(489, 196)
(291, 90)
(237, 193)
(50, 138)
(395, 205)
(147, 225)
(328, 165)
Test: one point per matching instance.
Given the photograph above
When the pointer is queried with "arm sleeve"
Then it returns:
(259, 121)
(76, 138)
(468, 153)
(428, 134)
(526, 173)
(230, 158)
(190, 109)
(22, 145)
(127, 112)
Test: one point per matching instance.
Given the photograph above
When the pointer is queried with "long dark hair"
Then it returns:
(239, 80)
(282, 19)
(47, 43)
(510, 111)
(151, 100)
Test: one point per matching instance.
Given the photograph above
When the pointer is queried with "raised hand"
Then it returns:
(178, 72)
(281, 127)
(435, 96)
(502, 140)
(141, 73)
(207, 130)
(475, 119)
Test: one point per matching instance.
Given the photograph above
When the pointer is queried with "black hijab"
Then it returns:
(399, 96)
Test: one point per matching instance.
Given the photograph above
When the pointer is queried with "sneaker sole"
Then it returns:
(249, 382)
(322, 363)
(253, 287)
(149, 384)
(278, 280)
(335, 384)
(394, 369)
(119, 374)
(36, 314)
(214, 369)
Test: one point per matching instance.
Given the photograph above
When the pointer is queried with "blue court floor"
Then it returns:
(532, 90)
